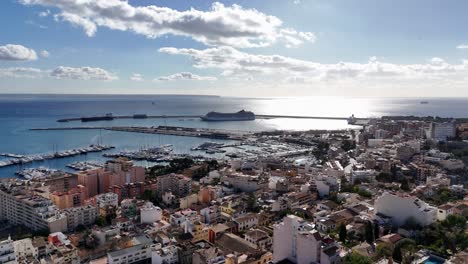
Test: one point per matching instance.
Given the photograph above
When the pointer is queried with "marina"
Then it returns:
(55, 155)
(85, 165)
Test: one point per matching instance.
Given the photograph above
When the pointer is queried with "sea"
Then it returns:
(19, 113)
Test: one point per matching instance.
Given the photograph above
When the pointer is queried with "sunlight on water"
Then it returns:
(317, 106)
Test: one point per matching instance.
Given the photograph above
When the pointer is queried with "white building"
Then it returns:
(244, 183)
(247, 221)
(107, 199)
(164, 255)
(20, 207)
(442, 131)
(363, 175)
(81, 216)
(296, 240)
(452, 164)
(7, 252)
(210, 214)
(25, 249)
(140, 251)
(150, 213)
(401, 207)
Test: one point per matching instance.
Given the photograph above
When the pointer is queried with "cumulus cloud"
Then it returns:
(136, 77)
(462, 46)
(185, 76)
(82, 73)
(232, 62)
(220, 25)
(21, 72)
(88, 26)
(45, 53)
(16, 52)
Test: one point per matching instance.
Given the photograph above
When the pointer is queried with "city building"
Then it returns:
(178, 185)
(20, 206)
(441, 131)
(402, 207)
(296, 240)
(150, 213)
(138, 250)
(7, 252)
(81, 216)
(72, 198)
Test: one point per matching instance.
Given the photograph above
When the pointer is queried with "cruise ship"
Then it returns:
(239, 116)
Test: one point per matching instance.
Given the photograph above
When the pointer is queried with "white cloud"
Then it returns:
(21, 72)
(185, 76)
(462, 46)
(45, 53)
(88, 26)
(220, 25)
(16, 52)
(235, 63)
(44, 13)
(136, 77)
(82, 73)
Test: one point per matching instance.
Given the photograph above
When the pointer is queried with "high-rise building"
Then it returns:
(441, 131)
(179, 185)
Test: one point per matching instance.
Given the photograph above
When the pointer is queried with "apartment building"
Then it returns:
(177, 184)
(83, 215)
(20, 206)
(401, 207)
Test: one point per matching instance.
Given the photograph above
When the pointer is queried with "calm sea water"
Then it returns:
(19, 113)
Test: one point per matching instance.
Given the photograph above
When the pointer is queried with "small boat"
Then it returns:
(424, 102)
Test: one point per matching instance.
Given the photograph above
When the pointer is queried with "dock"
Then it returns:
(144, 116)
(166, 130)
(24, 159)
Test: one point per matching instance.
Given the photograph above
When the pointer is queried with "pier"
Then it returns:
(144, 116)
(166, 130)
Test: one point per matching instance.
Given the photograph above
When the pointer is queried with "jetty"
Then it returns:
(109, 117)
(167, 130)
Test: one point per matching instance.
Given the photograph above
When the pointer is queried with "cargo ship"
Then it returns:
(238, 116)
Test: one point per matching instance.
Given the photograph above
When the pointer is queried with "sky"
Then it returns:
(246, 48)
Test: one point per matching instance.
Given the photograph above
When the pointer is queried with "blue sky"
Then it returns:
(241, 48)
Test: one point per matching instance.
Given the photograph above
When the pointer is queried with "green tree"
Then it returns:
(355, 258)
(403, 247)
(342, 232)
(383, 250)
(101, 221)
(405, 185)
(376, 231)
(369, 233)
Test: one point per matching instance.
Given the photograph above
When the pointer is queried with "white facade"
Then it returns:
(403, 207)
(139, 252)
(452, 164)
(150, 213)
(7, 251)
(442, 131)
(83, 215)
(296, 240)
(24, 249)
(165, 255)
(107, 199)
